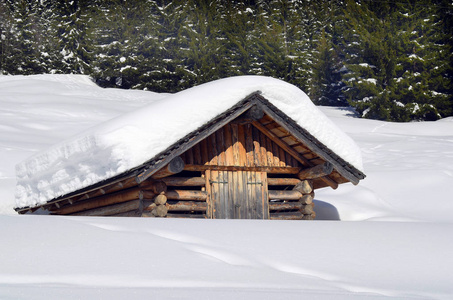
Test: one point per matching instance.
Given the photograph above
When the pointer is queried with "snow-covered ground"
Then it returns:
(401, 245)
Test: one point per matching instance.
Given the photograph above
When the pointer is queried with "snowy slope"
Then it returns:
(130, 140)
(408, 254)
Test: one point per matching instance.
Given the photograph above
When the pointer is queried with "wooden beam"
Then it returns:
(284, 195)
(283, 181)
(111, 209)
(275, 170)
(317, 171)
(175, 166)
(157, 187)
(107, 189)
(184, 181)
(122, 196)
(187, 206)
(146, 195)
(278, 206)
(186, 195)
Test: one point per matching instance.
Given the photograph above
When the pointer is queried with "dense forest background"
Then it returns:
(391, 60)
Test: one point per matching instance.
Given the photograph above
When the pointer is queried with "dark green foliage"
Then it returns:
(390, 60)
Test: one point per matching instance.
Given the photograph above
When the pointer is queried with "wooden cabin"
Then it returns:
(250, 162)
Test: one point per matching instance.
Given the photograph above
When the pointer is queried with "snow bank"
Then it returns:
(128, 141)
(47, 257)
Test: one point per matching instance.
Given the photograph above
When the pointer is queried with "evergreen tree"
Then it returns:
(5, 35)
(22, 55)
(326, 76)
(75, 34)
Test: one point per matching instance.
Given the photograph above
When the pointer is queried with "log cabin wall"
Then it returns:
(248, 176)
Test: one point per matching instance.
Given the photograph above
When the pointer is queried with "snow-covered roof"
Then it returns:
(128, 141)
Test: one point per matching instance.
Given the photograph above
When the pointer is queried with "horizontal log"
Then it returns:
(124, 184)
(175, 166)
(109, 199)
(317, 171)
(284, 195)
(283, 181)
(191, 216)
(184, 181)
(272, 170)
(106, 189)
(157, 187)
(304, 187)
(146, 195)
(296, 215)
(187, 206)
(111, 209)
(186, 195)
(279, 206)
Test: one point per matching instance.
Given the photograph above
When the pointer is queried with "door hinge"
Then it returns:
(212, 181)
(260, 183)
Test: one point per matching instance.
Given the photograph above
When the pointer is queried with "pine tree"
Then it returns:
(22, 55)
(122, 49)
(5, 35)
(75, 34)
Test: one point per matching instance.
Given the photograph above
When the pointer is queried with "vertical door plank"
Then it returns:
(264, 196)
(249, 199)
(257, 188)
(231, 200)
(210, 197)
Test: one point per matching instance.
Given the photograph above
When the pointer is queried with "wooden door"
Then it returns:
(237, 195)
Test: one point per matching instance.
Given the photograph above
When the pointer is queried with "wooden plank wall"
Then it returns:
(238, 145)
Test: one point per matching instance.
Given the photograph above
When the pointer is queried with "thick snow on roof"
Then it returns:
(128, 141)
